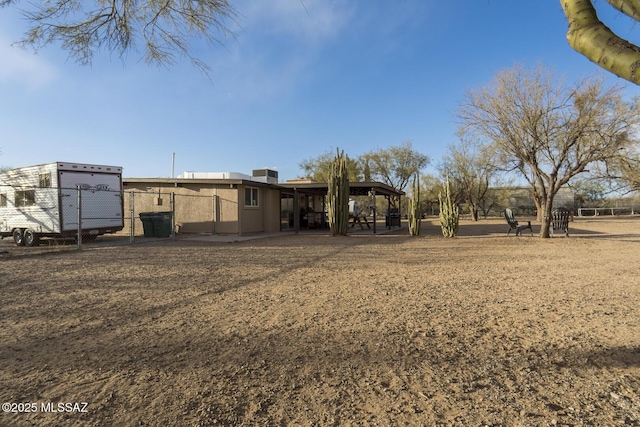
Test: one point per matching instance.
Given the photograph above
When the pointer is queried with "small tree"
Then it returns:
(415, 208)
(496, 196)
(449, 212)
(470, 167)
(429, 189)
(318, 168)
(394, 166)
(338, 195)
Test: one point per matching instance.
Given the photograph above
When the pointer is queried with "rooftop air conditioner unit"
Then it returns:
(266, 175)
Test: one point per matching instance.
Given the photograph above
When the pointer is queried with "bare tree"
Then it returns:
(593, 39)
(471, 171)
(163, 29)
(547, 131)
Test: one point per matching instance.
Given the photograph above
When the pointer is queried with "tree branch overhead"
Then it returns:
(162, 30)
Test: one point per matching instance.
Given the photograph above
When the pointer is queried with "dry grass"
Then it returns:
(315, 330)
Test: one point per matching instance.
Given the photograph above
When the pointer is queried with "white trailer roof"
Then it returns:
(85, 167)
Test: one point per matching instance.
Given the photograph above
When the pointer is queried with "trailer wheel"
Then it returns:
(30, 237)
(18, 236)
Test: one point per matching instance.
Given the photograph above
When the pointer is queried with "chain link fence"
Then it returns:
(56, 218)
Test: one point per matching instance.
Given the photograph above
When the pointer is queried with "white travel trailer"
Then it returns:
(42, 201)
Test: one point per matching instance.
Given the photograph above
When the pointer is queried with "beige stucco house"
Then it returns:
(234, 203)
(217, 203)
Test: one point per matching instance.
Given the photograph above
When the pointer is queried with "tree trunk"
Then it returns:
(545, 222)
(474, 212)
(473, 207)
(539, 208)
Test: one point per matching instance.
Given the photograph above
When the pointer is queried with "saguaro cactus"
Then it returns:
(338, 195)
(449, 212)
(415, 214)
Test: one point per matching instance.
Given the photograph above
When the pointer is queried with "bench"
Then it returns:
(560, 221)
(513, 224)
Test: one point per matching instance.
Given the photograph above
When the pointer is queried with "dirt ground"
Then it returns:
(310, 330)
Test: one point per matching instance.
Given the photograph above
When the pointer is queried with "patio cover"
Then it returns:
(364, 188)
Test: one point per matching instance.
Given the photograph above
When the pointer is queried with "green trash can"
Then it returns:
(147, 224)
(162, 223)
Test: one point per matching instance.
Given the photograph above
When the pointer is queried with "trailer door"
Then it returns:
(101, 200)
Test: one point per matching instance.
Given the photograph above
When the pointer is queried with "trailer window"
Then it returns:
(45, 180)
(3, 200)
(251, 197)
(25, 198)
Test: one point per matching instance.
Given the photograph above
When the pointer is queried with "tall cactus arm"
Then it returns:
(590, 37)
(630, 8)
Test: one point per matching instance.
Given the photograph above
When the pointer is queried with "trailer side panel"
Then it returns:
(101, 200)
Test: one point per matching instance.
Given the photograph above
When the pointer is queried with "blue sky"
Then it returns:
(297, 81)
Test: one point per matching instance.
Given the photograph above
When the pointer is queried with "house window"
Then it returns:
(3, 200)
(44, 180)
(25, 198)
(251, 196)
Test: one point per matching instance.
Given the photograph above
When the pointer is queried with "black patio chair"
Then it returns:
(513, 224)
(560, 221)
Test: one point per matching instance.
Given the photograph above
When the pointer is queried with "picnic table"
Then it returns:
(358, 219)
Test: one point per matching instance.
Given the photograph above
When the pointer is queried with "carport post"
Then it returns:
(375, 210)
(296, 214)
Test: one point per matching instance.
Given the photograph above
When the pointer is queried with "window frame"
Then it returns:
(44, 180)
(252, 195)
(24, 198)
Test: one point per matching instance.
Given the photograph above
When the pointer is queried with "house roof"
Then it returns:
(179, 182)
(355, 188)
